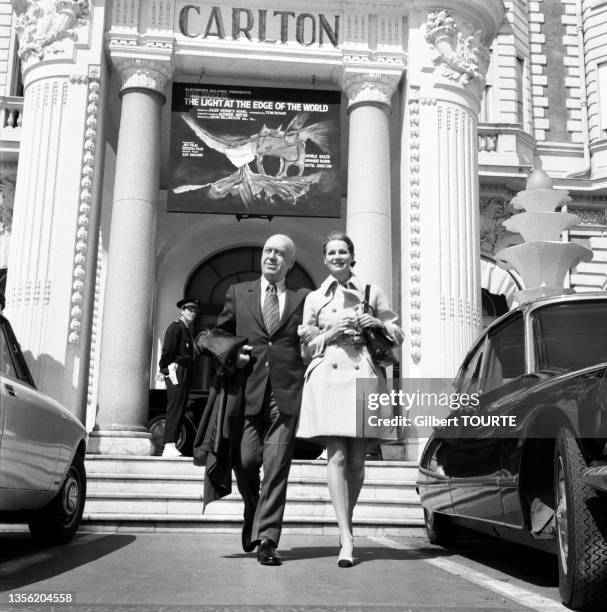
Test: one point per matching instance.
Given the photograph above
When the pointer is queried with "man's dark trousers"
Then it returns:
(177, 397)
(267, 438)
(272, 397)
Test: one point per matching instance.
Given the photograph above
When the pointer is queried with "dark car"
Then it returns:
(528, 463)
(42, 447)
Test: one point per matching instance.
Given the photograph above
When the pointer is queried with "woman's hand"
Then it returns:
(347, 323)
(366, 321)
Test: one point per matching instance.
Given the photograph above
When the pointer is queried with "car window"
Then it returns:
(570, 336)
(469, 377)
(7, 367)
(505, 354)
(13, 363)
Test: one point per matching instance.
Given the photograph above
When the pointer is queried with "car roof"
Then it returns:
(532, 305)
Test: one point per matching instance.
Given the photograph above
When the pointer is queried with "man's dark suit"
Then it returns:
(272, 398)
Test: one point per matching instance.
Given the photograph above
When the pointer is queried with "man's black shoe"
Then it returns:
(266, 553)
(247, 545)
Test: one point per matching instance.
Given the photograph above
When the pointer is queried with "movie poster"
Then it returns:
(254, 151)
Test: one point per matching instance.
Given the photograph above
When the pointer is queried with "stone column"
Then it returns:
(127, 327)
(449, 57)
(369, 203)
(55, 220)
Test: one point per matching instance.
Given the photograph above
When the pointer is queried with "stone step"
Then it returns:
(159, 467)
(309, 525)
(169, 505)
(152, 493)
(110, 484)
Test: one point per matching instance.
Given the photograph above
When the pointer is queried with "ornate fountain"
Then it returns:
(543, 259)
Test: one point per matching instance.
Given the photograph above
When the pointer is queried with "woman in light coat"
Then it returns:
(332, 338)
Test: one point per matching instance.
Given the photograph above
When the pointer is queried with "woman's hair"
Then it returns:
(338, 235)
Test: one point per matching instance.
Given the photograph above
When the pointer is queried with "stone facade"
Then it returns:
(444, 112)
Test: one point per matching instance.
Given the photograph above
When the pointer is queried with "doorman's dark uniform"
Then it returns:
(178, 347)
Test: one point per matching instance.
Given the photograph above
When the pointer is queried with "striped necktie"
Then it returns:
(271, 310)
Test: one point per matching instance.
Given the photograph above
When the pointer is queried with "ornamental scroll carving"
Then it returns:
(7, 196)
(459, 48)
(42, 25)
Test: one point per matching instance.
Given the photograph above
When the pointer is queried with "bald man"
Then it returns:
(267, 312)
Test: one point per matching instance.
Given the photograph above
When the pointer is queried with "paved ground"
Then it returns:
(143, 572)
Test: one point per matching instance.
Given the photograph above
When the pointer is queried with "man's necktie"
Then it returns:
(271, 311)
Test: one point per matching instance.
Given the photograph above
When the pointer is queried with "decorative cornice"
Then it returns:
(461, 54)
(87, 174)
(143, 73)
(589, 216)
(42, 25)
(370, 87)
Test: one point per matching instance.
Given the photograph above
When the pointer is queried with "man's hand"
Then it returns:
(307, 333)
(244, 358)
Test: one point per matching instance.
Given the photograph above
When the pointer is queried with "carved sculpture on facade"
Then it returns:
(460, 48)
(42, 25)
(7, 195)
(494, 236)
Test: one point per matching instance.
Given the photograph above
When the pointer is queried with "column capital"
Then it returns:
(461, 53)
(143, 73)
(370, 87)
(42, 25)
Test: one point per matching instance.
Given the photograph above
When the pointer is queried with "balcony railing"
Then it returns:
(11, 112)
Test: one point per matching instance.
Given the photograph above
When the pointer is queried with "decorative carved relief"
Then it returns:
(43, 25)
(460, 49)
(87, 173)
(7, 198)
(494, 236)
(377, 87)
(415, 305)
(589, 216)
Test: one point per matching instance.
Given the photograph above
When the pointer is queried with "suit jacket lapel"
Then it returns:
(253, 301)
(291, 304)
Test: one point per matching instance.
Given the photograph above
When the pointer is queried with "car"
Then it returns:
(42, 448)
(527, 460)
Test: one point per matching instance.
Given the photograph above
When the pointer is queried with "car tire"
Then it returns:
(185, 439)
(581, 525)
(58, 521)
(440, 529)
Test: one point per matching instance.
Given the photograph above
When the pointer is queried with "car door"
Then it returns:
(476, 474)
(32, 428)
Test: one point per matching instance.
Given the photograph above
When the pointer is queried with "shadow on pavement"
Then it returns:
(528, 564)
(362, 554)
(24, 562)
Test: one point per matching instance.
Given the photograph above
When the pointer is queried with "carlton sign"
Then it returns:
(260, 25)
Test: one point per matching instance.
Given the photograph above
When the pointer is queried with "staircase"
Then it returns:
(152, 493)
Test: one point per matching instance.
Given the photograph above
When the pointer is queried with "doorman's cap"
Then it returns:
(188, 302)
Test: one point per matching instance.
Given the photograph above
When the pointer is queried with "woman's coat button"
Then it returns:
(335, 366)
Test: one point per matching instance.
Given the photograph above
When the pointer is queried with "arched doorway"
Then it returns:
(209, 283)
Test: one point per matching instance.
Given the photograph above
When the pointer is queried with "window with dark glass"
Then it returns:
(505, 354)
(570, 336)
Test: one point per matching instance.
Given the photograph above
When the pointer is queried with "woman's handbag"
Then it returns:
(380, 346)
